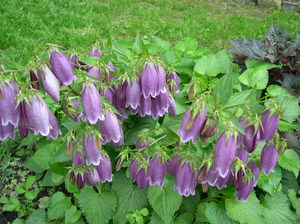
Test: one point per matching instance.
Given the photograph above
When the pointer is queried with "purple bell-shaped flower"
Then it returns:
(92, 178)
(80, 181)
(149, 81)
(91, 151)
(37, 114)
(133, 168)
(92, 104)
(94, 72)
(104, 169)
(208, 130)
(54, 130)
(94, 52)
(50, 83)
(110, 128)
(73, 61)
(225, 152)
(145, 107)
(172, 106)
(23, 122)
(161, 80)
(119, 100)
(268, 159)
(173, 165)
(34, 80)
(62, 67)
(185, 180)
(142, 143)
(142, 178)
(9, 111)
(191, 124)
(252, 138)
(247, 186)
(157, 172)
(133, 93)
(269, 124)
(109, 94)
(7, 131)
(173, 83)
(77, 158)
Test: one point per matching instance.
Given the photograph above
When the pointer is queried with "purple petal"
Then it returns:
(105, 170)
(54, 130)
(145, 108)
(270, 125)
(80, 181)
(133, 168)
(172, 106)
(77, 158)
(173, 165)
(161, 80)
(133, 93)
(92, 178)
(185, 180)
(94, 52)
(7, 131)
(23, 122)
(157, 172)
(92, 104)
(142, 179)
(149, 81)
(252, 138)
(50, 83)
(225, 152)
(268, 159)
(94, 72)
(91, 150)
(173, 76)
(142, 144)
(62, 68)
(34, 80)
(110, 128)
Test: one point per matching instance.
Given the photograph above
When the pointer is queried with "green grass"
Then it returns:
(79, 23)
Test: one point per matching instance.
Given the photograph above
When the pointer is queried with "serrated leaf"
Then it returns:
(286, 126)
(14, 200)
(201, 215)
(38, 216)
(270, 182)
(207, 66)
(30, 195)
(249, 212)
(255, 77)
(275, 90)
(290, 161)
(189, 44)
(97, 208)
(223, 90)
(31, 164)
(58, 206)
(4, 200)
(47, 180)
(165, 201)
(276, 210)
(162, 44)
(295, 201)
(236, 123)
(29, 182)
(9, 207)
(288, 181)
(20, 190)
(216, 213)
(44, 155)
(89, 60)
(224, 61)
(72, 214)
(129, 197)
(190, 204)
(238, 98)
(290, 107)
(184, 218)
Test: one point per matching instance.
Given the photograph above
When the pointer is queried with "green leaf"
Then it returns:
(20, 189)
(275, 90)
(30, 195)
(18, 221)
(47, 180)
(295, 201)
(129, 197)
(255, 63)
(162, 44)
(59, 205)
(31, 164)
(223, 90)
(290, 107)
(236, 123)
(165, 201)
(97, 208)
(9, 207)
(224, 61)
(201, 214)
(255, 77)
(189, 44)
(207, 66)
(58, 168)
(138, 45)
(44, 155)
(216, 213)
(249, 212)
(276, 210)
(4, 200)
(238, 98)
(288, 181)
(89, 60)
(286, 126)
(14, 200)
(72, 214)
(270, 183)
(190, 204)
(290, 161)
(29, 182)
(37, 217)
(185, 218)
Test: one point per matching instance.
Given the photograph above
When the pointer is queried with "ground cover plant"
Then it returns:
(146, 131)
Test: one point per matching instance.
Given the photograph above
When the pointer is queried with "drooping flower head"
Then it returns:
(50, 83)
(209, 129)
(268, 159)
(157, 171)
(192, 122)
(9, 111)
(91, 150)
(133, 93)
(142, 142)
(252, 137)
(92, 104)
(54, 130)
(225, 152)
(92, 178)
(269, 124)
(104, 169)
(173, 165)
(185, 180)
(62, 67)
(149, 80)
(94, 52)
(110, 128)
(34, 80)
(7, 131)
(173, 83)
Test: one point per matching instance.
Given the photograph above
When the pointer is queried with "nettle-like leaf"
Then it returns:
(59, 205)
(288, 181)
(290, 161)
(270, 182)
(249, 212)
(97, 207)
(129, 197)
(295, 201)
(216, 213)
(189, 44)
(223, 90)
(276, 210)
(290, 106)
(165, 201)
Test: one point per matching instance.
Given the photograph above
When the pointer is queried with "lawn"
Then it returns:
(25, 25)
